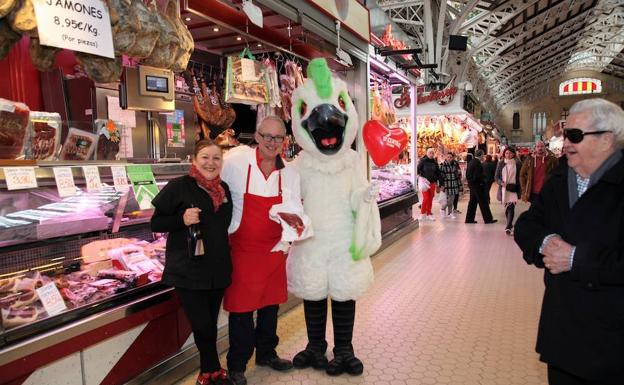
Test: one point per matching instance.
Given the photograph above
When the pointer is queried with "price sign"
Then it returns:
(64, 181)
(82, 26)
(19, 178)
(51, 299)
(120, 179)
(92, 178)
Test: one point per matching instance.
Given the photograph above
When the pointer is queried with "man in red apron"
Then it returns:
(258, 179)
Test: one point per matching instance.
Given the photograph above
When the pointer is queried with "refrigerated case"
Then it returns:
(119, 319)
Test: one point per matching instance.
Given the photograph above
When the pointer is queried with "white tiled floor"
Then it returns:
(451, 304)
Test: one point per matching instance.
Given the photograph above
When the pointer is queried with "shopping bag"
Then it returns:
(441, 198)
(423, 184)
(246, 80)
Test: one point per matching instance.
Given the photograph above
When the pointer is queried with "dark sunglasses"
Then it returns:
(576, 135)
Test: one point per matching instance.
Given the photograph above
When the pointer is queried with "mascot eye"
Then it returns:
(303, 108)
(342, 103)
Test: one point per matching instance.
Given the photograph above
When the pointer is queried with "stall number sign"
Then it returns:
(19, 178)
(120, 179)
(51, 299)
(92, 178)
(77, 25)
(64, 181)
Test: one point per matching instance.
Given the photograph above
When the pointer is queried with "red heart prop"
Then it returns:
(382, 143)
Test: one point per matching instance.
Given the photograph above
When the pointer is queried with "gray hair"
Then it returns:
(273, 118)
(604, 116)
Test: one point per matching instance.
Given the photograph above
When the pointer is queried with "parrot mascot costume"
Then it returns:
(334, 263)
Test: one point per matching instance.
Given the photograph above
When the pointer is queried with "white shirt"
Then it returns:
(234, 173)
(469, 138)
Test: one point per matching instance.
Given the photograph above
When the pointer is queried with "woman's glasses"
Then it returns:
(576, 135)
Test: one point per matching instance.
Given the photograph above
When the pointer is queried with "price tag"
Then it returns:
(120, 179)
(51, 299)
(64, 181)
(253, 12)
(92, 178)
(83, 26)
(19, 178)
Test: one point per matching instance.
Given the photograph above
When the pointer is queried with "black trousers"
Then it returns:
(560, 377)
(244, 337)
(510, 211)
(478, 197)
(202, 310)
(455, 201)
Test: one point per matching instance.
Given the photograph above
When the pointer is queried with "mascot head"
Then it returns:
(324, 120)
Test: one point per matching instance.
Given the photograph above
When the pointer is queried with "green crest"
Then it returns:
(320, 74)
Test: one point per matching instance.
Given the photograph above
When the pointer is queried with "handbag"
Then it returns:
(246, 80)
(423, 184)
(511, 187)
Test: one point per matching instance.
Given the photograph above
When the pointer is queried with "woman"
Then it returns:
(450, 179)
(196, 210)
(489, 170)
(428, 169)
(508, 178)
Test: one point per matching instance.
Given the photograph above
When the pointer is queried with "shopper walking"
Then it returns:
(508, 179)
(476, 184)
(259, 179)
(195, 210)
(574, 230)
(450, 178)
(535, 171)
(428, 169)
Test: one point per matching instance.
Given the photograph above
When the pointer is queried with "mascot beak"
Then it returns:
(326, 125)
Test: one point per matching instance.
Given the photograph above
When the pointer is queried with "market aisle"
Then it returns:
(451, 304)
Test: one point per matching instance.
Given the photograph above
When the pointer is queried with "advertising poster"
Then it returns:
(175, 129)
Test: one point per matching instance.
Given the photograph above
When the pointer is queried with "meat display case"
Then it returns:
(396, 198)
(119, 315)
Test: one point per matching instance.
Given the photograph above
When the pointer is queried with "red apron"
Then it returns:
(258, 275)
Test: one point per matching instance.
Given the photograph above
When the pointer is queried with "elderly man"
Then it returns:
(575, 230)
(258, 180)
(535, 170)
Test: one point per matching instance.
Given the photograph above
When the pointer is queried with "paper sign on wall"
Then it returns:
(51, 299)
(176, 136)
(92, 178)
(143, 184)
(19, 178)
(120, 179)
(82, 26)
(64, 181)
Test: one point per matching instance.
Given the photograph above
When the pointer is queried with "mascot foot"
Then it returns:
(349, 364)
(306, 358)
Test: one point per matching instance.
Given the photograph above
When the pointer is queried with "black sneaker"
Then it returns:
(237, 378)
(275, 363)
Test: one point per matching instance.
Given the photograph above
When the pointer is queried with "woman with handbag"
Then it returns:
(428, 169)
(196, 210)
(508, 178)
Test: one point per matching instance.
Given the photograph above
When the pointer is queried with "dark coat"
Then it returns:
(489, 169)
(213, 270)
(581, 327)
(428, 169)
(474, 173)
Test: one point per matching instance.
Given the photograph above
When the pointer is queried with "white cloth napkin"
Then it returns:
(289, 234)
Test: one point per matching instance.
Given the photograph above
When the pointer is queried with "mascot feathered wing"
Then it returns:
(341, 205)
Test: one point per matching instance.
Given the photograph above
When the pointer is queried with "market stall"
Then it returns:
(392, 96)
(83, 135)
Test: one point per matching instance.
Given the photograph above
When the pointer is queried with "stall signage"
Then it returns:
(51, 299)
(19, 178)
(443, 97)
(64, 181)
(77, 25)
(92, 178)
(143, 184)
(120, 179)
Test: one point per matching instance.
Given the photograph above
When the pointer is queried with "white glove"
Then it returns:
(372, 192)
